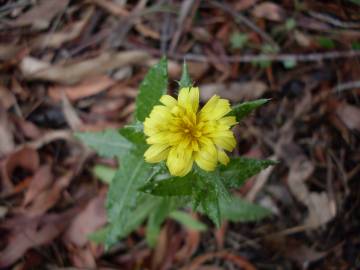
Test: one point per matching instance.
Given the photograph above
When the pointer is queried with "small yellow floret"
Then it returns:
(180, 134)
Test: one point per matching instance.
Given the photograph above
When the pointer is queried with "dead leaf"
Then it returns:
(86, 222)
(239, 261)
(26, 158)
(87, 88)
(73, 72)
(7, 99)
(26, 233)
(350, 115)
(56, 39)
(9, 51)
(243, 5)
(269, 11)
(234, 91)
(7, 141)
(41, 180)
(70, 114)
(48, 198)
(41, 15)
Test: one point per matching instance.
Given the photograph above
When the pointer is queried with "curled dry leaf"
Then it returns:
(91, 218)
(70, 73)
(239, 261)
(234, 91)
(41, 180)
(87, 88)
(41, 15)
(269, 11)
(350, 115)
(26, 233)
(7, 141)
(48, 197)
(70, 32)
(26, 158)
(7, 99)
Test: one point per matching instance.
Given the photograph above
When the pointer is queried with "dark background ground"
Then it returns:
(70, 65)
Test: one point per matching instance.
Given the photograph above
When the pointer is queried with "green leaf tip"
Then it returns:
(151, 89)
(185, 80)
(244, 109)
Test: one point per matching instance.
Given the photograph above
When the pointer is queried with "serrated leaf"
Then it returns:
(240, 210)
(104, 173)
(238, 170)
(175, 186)
(123, 192)
(243, 109)
(152, 88)
(206, 194)
(185, 80)
(157, 217)
(134, 134)
(187, 220)
(146, 204)
(108, 143)
(210, 205)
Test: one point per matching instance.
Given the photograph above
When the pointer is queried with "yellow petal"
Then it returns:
(179, 161)
(194, 98)
(223, 157)
(156, 153)
(226, 141)
(206, 158)
(168, 101)
(228, 121)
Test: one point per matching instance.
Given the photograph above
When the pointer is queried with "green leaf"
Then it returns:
(326, 42)
(240, 169)
(289, 63)
(238, 40)
(210, 205)
(240, 210)
(108, 143)
(146, 204)
(123, 192)
(175, 186)
(188, 221)
(243, 109)
(104, 173)
(357, 2)
(134, 134)
(157, 217)
(152, 88)
(185, 80)
(206, 193)
(355, 45)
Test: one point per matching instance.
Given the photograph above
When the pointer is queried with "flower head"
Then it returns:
(181, 134)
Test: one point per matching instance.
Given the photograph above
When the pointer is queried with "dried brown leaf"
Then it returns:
(87, 88)
(269, 11)
(41, 15)
(234, 91)
(350, 115)
(26, 233)
(7, 141)
(73, 72)
(91, 218)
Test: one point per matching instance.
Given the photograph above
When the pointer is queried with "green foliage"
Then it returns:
(326, 42)
(357, 2)
(240, 210)
(152, 88)
(109, 143)
(104, 173)
(240, 169)
(244, 109)
(139, 191)
(187, 220)
(173, 186)
(185, 80)
(355, 45)
(238, 40)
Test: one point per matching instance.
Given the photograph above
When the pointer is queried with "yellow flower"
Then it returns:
(180, 133)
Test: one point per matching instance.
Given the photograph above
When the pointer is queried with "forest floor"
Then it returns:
(76, 65)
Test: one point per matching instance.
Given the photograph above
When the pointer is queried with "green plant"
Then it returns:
(140, 191)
